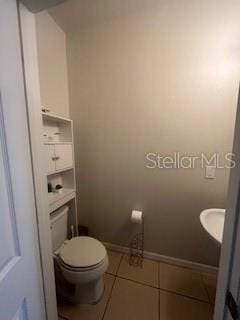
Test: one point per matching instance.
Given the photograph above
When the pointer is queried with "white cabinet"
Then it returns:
(64, 156)
(49, 158)
(58, 157)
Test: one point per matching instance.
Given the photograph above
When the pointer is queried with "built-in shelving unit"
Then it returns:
(59, 163)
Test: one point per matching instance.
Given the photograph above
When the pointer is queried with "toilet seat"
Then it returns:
(82, 254)
(81, 269)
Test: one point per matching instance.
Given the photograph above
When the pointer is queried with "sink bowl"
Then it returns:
(212, 221)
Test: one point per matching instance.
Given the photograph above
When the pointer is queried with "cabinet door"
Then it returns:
(50, 158)
(64, 156)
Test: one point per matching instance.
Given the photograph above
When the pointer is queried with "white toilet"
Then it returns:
(81, 261)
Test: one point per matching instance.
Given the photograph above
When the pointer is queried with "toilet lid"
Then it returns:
(82, 252)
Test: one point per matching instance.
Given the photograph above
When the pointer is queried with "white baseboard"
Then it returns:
(166, 259)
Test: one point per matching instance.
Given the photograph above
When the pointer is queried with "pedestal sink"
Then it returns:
(212, 221)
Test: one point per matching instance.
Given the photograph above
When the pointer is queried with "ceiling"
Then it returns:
(73, 15)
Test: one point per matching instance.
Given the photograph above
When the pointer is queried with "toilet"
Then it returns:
(79, 263)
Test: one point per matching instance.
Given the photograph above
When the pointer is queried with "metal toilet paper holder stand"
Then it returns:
(137, 248)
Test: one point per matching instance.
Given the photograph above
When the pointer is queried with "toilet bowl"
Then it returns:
(82, 262)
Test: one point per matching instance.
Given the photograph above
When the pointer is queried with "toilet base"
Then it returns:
(90, 293)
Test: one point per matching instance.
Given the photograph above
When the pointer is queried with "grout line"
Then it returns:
(159, 286)
(110, 273)
(120, 261)
(185, 296)
(105, 309)
(206, 290)
(135, 281)
(110, 295)
(166, 290)
(159, 302)
(62, 317)
(158, 275)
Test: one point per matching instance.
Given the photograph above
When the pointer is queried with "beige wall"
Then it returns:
(51, 42)
(160, 80)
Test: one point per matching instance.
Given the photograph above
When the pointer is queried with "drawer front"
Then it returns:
(64, 156)
(50, 163)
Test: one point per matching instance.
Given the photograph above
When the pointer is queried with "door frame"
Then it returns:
(30, 61)
(230, 226)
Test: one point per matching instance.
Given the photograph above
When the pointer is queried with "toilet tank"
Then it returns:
(59, 222)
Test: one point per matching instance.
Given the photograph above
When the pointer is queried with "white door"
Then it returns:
(229, 272)
(21, 295)
(50, 158)
(64, 156)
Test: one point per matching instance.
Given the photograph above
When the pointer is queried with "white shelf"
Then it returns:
(58, 142)
(54, 196)
(59, 171)
(54, 117)
(56, 200)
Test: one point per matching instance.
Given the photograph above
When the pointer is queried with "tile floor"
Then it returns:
(158, 291)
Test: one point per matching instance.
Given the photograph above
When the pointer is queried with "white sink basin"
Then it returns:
(213, 222)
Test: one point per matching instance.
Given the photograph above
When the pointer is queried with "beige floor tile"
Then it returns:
(114, 261)
(131, 300)
(148, 274)
(210, 282)
(176, 307)
(182, 280)
(88, 312)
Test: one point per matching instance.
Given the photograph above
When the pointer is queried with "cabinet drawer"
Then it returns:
(64, 156)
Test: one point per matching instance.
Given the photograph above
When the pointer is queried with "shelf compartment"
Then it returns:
(67, 181)
(56, 129)
(57, 200)
(55, 196)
